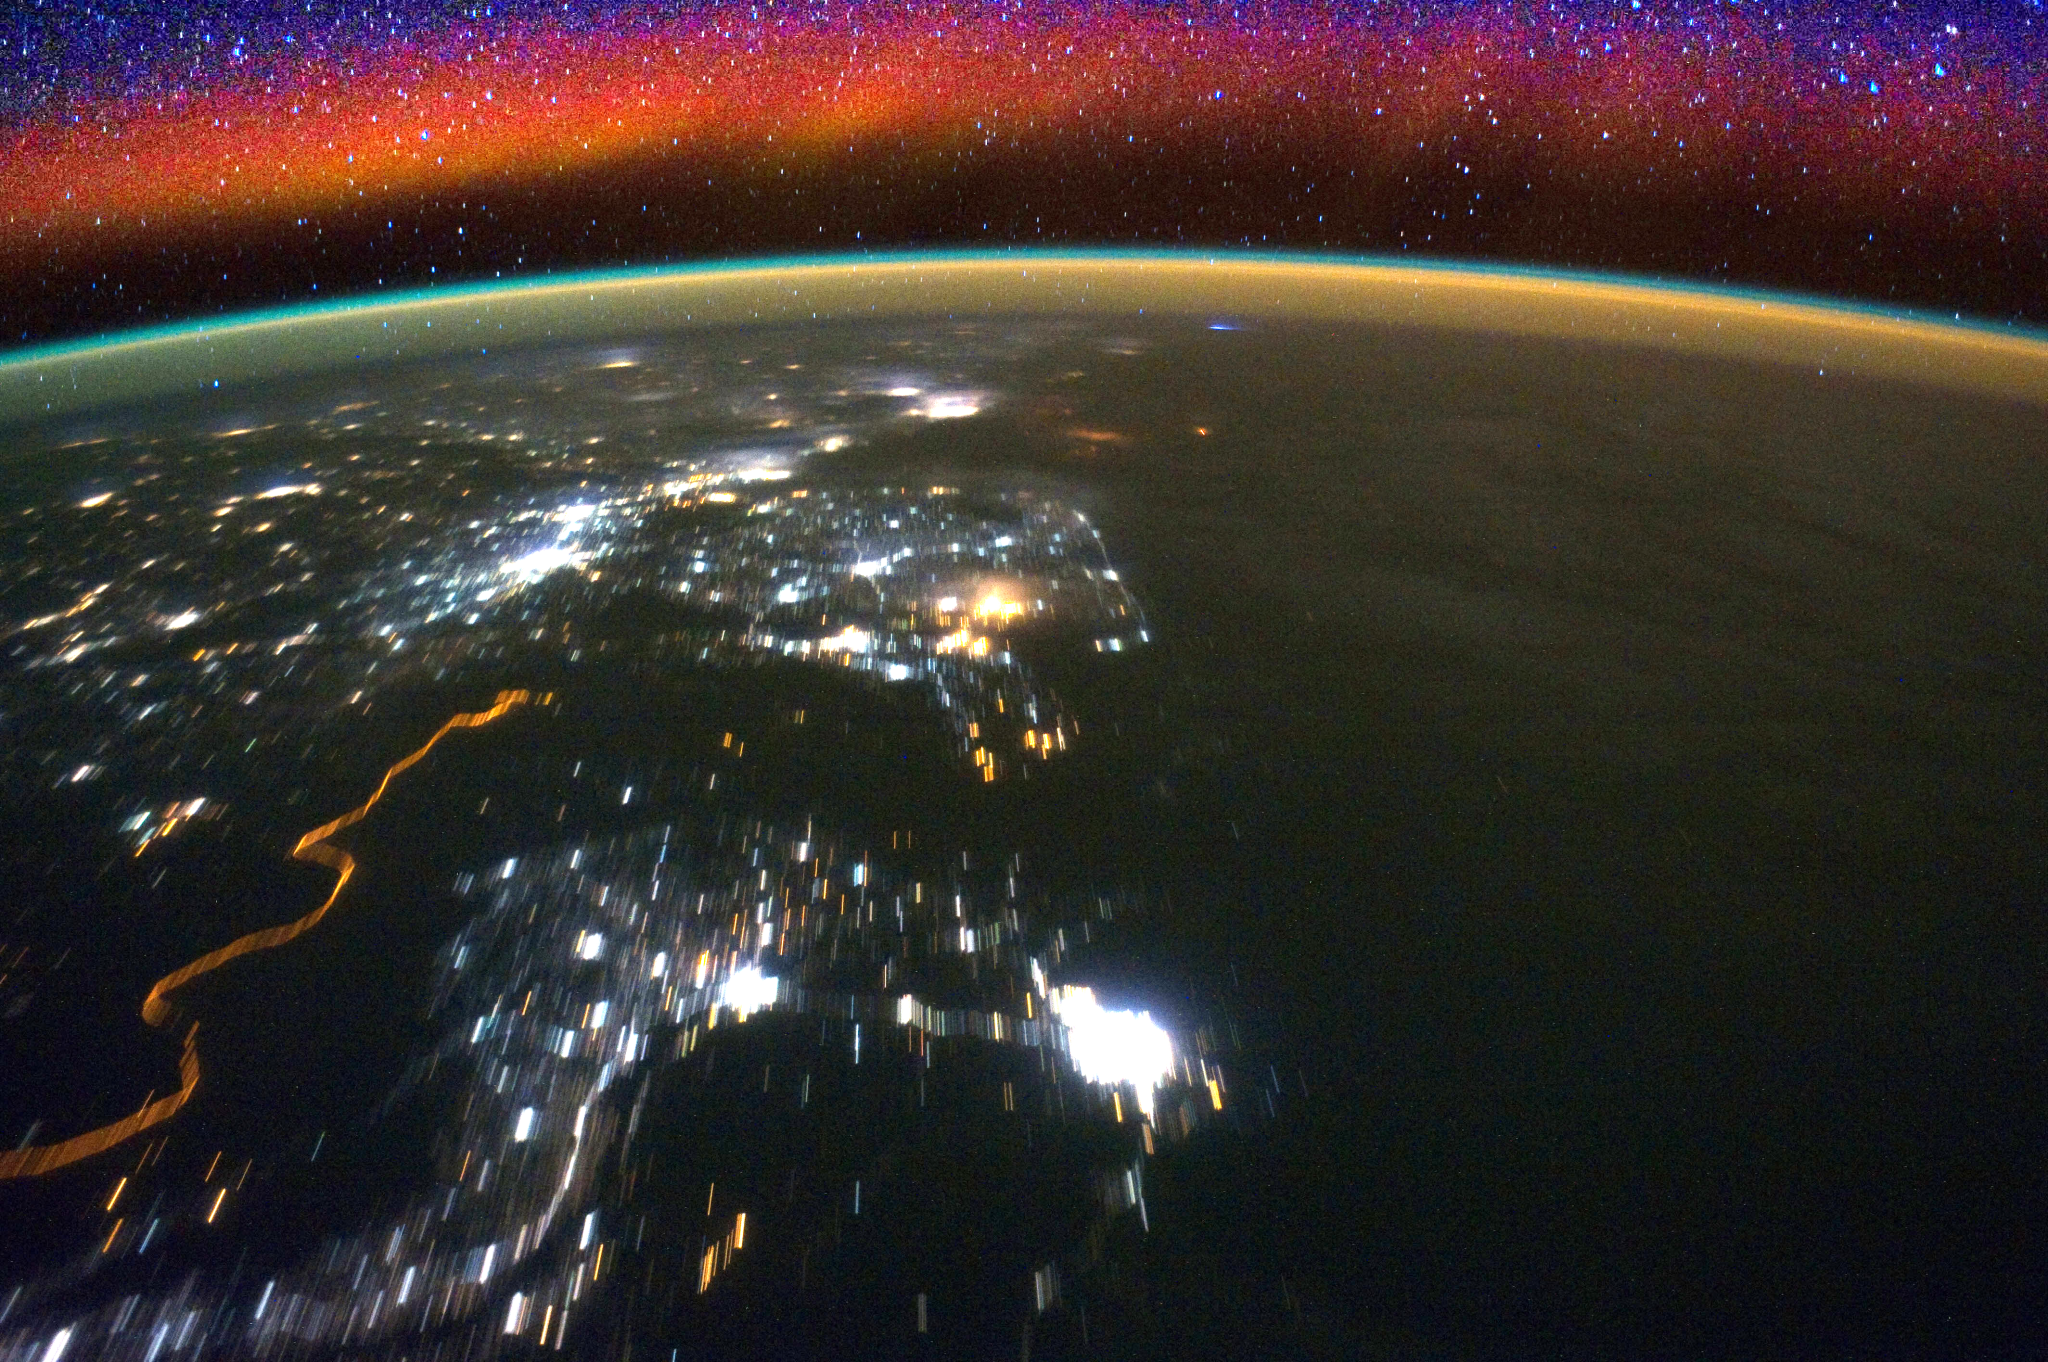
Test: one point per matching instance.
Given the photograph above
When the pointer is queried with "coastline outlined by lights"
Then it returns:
(36, 1160)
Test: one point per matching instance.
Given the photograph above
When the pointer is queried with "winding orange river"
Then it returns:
(33, 1160)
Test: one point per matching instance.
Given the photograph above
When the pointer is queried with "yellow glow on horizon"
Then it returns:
(1798, 333)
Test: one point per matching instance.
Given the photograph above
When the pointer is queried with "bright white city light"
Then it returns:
(540, 562)
(948, 406)
(747, 990)
(1113, 1046)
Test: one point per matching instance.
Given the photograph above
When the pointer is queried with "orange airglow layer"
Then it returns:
(404, 127)
(448, 116)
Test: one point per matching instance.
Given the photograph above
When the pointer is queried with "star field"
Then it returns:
(185, 160)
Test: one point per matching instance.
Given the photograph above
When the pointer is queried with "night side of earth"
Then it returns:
(1075, 806)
